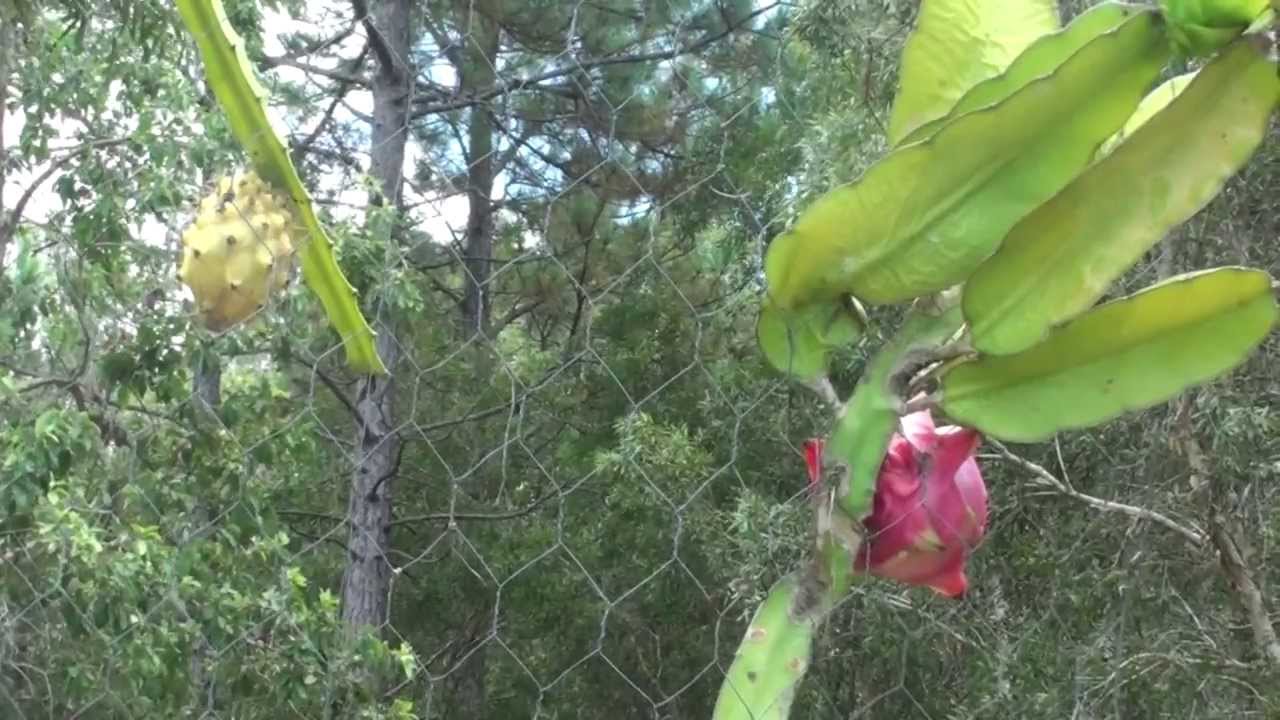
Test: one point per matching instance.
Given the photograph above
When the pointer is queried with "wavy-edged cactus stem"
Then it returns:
(776, 650)
(777, 647)
(238, 250)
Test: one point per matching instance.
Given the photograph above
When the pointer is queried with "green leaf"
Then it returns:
(957, 44)
(923, 218)
(862, 433)
(1126, 355)
(231, 78)
(797, 342)
(1060, 259)
(1154, 102)
(1040, 58)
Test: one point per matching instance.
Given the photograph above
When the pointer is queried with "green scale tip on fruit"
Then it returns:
(237, 251)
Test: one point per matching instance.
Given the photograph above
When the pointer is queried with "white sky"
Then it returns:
(439, 218)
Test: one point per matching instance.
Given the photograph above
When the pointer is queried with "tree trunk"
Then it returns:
(366, 583)
(478, 73)
(7, 36)
(206, 386)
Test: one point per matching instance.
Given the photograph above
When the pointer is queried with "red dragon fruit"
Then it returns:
(930, 507)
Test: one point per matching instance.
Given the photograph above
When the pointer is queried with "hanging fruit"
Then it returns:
(238, 250)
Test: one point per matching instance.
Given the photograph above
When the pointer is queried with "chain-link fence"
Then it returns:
(578, 478)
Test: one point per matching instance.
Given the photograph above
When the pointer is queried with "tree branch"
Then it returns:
(331, 384)
(453, 517)
(1239, 575)
(9, 226)
(345, 78)
(1226, 539)
(533, 81)
(386, 59)
(1044, 477)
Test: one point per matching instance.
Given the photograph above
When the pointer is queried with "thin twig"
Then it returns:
(8, 227)
(1190, 534)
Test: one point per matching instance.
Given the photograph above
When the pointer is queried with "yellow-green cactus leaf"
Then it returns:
(231, 78)
(798, 342)
(957, 44)
(1154, 102)
(924, 217)
(1061, 259)
(1039, 59)
(774, 654)
(1123, 356)
(1201, 27)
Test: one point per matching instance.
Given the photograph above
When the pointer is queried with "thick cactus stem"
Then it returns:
(237, 251)
(777, 648)
(861, 435)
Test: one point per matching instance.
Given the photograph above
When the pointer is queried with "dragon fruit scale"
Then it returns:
(238, 250)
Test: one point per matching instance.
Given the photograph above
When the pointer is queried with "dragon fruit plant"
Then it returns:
(1031, 166)
(239, 248)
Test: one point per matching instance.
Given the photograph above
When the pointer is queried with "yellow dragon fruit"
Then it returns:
(238, 250)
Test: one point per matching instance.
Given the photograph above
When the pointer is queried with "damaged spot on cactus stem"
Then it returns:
(195, 253)
(231, 239)
(234, 285)
(795, 665)
(758, 633)
(751, 676)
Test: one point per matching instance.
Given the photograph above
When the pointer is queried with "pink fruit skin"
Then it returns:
(930, 507)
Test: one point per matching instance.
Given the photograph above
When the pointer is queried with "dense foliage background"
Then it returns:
(591, 476)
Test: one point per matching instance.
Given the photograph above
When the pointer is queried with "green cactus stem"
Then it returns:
(777, 648)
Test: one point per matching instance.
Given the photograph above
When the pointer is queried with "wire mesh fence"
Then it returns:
(577, 479)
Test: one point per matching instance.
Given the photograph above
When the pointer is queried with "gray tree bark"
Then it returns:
(8, 34)
(477, 73)
(366, 582)
(206, 401)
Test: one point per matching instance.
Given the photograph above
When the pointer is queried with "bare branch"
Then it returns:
(8, 227)
(454, 517)
(825, 390)
(1192, 535)
(346, 78)
(386, 59)
(1226, 538)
